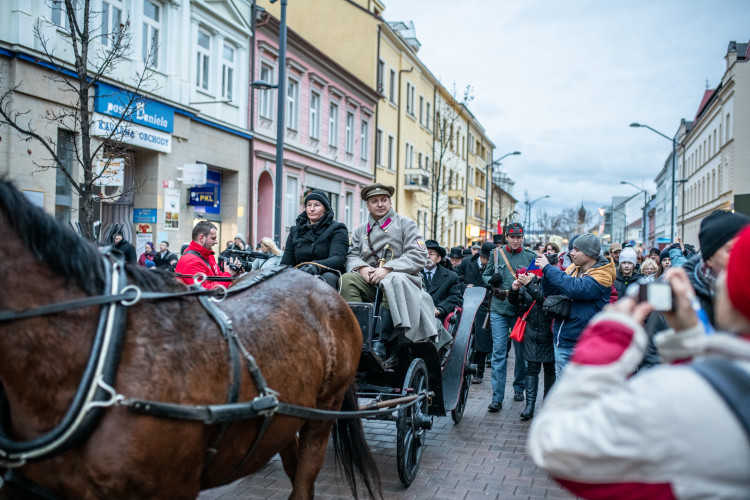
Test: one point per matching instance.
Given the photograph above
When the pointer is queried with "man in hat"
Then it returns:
(440, 283)
(470, 274)
(587, 282)
(614, 253)
(476, 246)
(125, 247)
(456, 256)
(500, 273)
(389, 250)
(677, 431)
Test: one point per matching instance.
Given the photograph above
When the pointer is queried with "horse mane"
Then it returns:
(61, 248)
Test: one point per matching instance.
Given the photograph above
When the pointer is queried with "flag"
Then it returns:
(533, 269)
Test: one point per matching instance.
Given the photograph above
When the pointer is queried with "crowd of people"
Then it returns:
(615, 381)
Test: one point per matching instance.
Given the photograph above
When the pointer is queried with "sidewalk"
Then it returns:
(484, 456)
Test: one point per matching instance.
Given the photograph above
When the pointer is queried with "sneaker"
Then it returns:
(518, 396)
(495, 407)
(476, 380)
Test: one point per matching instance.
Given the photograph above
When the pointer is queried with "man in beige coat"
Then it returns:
(390, 251)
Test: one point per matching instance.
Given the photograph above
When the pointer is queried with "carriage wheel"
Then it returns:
(412, 424)
(458, 412)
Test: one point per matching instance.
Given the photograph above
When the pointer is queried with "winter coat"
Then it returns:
(325, 243)
(192, 264)
(623, 282)
(589, 292)
(537, 338)
(444, 290)
(127, 250)
(163, 262)
(469, 273)
(522, 258)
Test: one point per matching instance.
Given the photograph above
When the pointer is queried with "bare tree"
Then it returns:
(446, 154)
(564, 223)
(94, 51)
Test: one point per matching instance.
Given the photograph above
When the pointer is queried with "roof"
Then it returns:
(707, 95)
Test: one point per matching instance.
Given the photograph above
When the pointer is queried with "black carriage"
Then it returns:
(417, 368)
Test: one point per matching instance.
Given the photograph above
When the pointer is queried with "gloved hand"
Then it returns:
(496, 280)
(309, 269)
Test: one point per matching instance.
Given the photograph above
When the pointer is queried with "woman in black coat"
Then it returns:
(537, 340)
(319, 240)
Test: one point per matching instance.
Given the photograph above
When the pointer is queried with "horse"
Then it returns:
(302, 334)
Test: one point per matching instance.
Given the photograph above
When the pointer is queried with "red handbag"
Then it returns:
(520, 327)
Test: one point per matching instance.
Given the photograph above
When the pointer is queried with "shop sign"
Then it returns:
(213, 181)
(204, 196)
(110, 172)
(133, 108)
(144, 215)
(130, 133)
(193, 174)
(171, 208)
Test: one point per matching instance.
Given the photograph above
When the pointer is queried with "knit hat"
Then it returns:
(628, 255)
(738, 284)
(664, 254)
(570, 243)
(239, 236)
(319, 196)
(589, 244)
(718, 228)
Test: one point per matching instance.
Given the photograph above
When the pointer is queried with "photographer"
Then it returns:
(318, 240)
(269, 248)
(199, 257)
(587, 282)
(667, 432)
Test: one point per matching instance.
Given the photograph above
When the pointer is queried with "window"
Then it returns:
(364, 140)
(392, 87)
(419, 159)
(111, 19)
(151, 28)
(333, 125)
(291, 208)
(410, 98)
(427, 116)
(409, 158)
(421, 110)
(227, 72)
(381, 77)
(63, 190)
(203, 61)
(265, 101)
(348, 209)
(292, 102)
(349, 132)
(391, 152)
(59, 15)
(378, 147)
(315, 116)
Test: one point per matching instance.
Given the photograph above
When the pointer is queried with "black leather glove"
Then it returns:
(309, 269)
(496, 280)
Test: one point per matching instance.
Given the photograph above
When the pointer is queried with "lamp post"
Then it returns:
(673, 140)
(645, 194)
(488, 207)
(530, 204)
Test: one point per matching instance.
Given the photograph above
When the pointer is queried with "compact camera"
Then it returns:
(552, 258)
(656, 293)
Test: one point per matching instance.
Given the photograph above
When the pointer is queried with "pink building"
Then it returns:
(330, 122)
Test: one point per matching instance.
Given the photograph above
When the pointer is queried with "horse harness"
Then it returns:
(96, 390)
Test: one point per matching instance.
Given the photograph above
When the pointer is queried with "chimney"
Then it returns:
(731, 56)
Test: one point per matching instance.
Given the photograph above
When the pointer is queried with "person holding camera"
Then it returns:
(626, 271)
(679, 430)
(586, 284)
(499, 274)
(271, 255)
(199, 258)
(318, 241)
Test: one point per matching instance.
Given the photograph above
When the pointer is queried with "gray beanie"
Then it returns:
(588, 244)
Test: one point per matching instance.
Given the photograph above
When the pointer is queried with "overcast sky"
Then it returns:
(561, 81)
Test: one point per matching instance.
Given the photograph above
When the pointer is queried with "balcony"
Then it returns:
(456, 201)
(416, 179)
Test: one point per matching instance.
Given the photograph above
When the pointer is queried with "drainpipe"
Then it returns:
(251, 126)
(433, 206)
(377, 114)
(466, 184)
(398, 133)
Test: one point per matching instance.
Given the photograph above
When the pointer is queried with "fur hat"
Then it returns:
(514, 229)
(718, 228)
(589, 244)
(318, 196)
(738, 284)
(497, 239)
(628, 255)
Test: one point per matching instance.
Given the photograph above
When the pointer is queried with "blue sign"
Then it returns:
(133, 108)
(144, 215)
(213, 184)
(205, 196)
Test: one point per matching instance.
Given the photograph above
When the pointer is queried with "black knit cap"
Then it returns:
(718, 228)
(319, 196)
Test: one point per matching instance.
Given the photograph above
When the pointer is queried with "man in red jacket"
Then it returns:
(199, 258)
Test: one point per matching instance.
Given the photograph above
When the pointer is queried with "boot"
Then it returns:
(549, 381)
(532, 382)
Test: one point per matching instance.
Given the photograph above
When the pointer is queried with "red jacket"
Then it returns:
(192, 264)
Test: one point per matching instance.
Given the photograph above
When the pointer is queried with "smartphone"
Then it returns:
(656, 293)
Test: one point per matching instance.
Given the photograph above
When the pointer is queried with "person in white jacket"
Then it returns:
(665, 432)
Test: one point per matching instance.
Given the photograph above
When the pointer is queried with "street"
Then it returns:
(484, 456)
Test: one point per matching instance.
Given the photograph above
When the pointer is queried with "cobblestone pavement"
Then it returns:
(484, 456)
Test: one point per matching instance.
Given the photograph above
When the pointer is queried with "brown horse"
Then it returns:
(303, 335)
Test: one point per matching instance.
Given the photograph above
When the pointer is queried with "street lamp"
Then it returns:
(488, 207)
(530, 204)
(645, 193)
(673, 140)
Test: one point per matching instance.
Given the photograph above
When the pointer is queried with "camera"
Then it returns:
(552, 258)
(656, 293)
